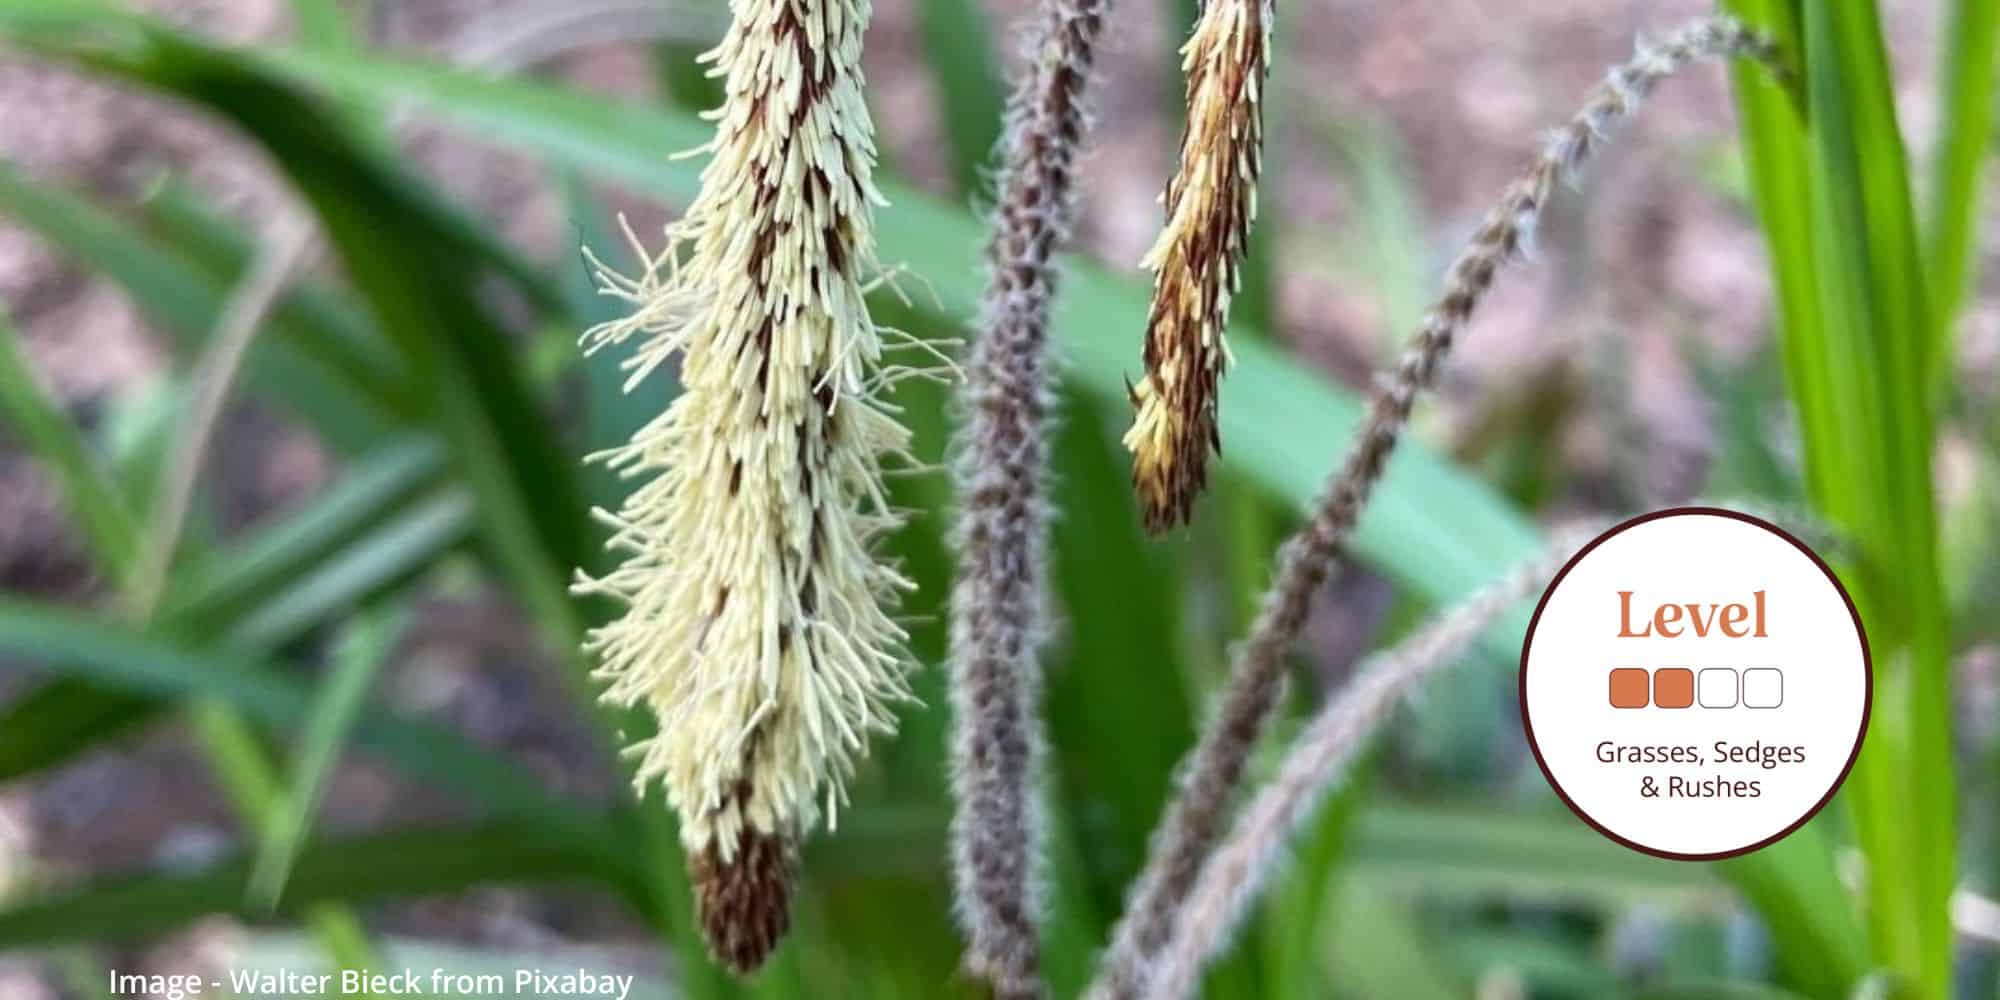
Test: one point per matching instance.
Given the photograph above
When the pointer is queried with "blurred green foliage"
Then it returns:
(411, 371)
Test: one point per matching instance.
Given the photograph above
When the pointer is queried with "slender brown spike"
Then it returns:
(1213, 771)
(999, 602)
(1198, 259)
(744, 903)
(1245, 864)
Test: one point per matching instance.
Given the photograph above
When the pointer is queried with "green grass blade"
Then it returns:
(611, 415)
(1377, 949)
(365, 536)
(250, 781)
(404, 546)
(1468, 851)
(228, 583)
(1855, 320)
(1877, 384)
(1792, 883)
(1964, 145)
(1117, 686)
(958, 47)
(322, 24)
(231, 746)
(47, 433)
(174, 292)
(416, 268)
(1539, 965)
(61, 719)
(688, 85)
(397, 863)
(1699, 989)
(357, 661)
(323, 319)
(411, 268)
(1821, 948)
(1297, 913)
(75, 645)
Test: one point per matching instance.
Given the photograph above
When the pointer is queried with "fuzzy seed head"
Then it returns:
(757, 617)
(1197, 261)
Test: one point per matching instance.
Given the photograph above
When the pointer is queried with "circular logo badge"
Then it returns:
(1695, 683)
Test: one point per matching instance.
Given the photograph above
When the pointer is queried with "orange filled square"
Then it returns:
(1673, 687)
(1628, 688)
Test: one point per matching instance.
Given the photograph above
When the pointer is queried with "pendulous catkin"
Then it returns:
(1214, 769)
(998, 613)
(1231, 880)
(1197, 261)
(757, 616)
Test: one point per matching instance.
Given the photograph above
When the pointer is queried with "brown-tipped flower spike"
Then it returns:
(1197, 261)
(1213, 772)
(756, 623)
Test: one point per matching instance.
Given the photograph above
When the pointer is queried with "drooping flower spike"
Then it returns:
(757, 616)
(1197, 262)
(1214, 769)
(999, 606)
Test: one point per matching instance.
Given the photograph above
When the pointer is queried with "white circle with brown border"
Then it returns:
(1695, 683)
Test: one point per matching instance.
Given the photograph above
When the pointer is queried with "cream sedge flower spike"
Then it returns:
(1197, 262)
(757, 617)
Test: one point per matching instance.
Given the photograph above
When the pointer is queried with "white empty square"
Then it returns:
(1716, 688)
(1763, 687)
